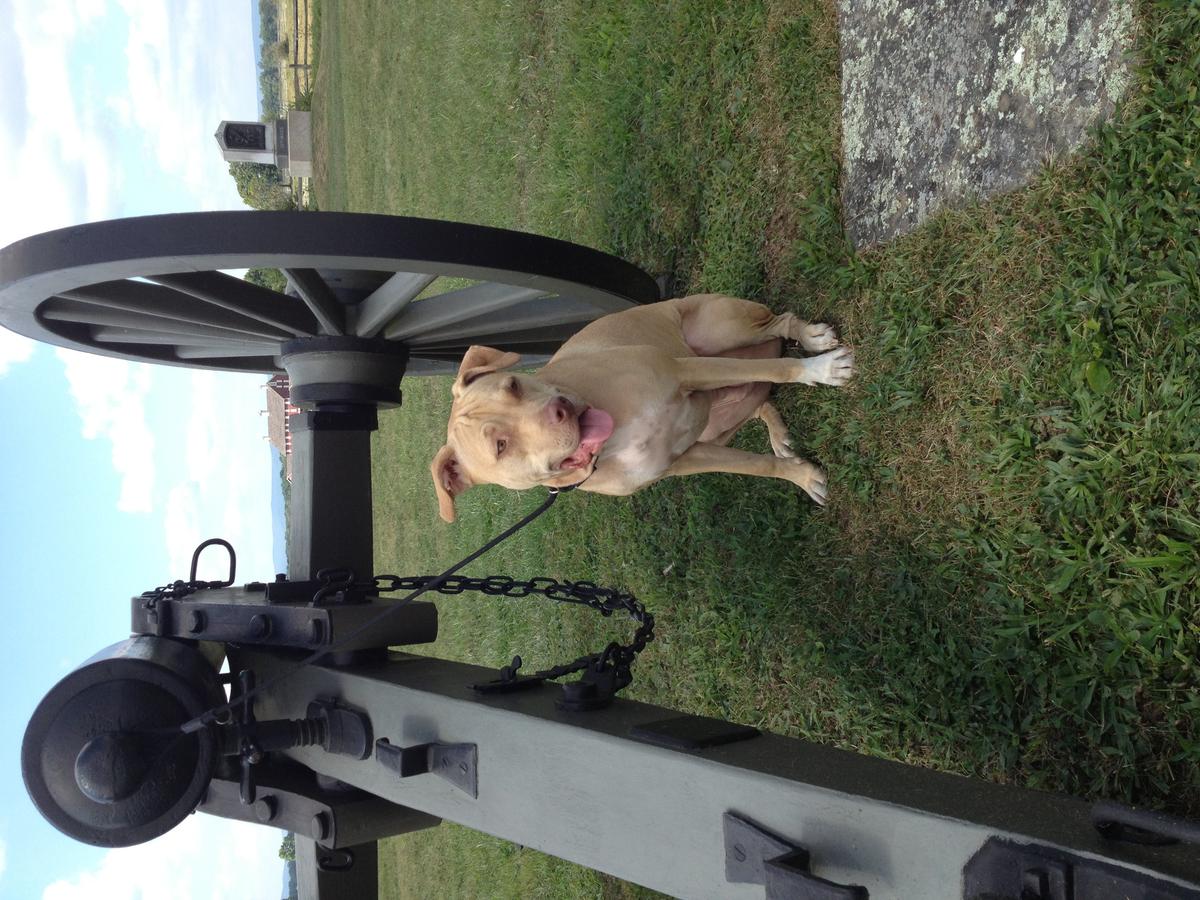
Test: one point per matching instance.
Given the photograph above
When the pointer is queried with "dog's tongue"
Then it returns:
(595, 427)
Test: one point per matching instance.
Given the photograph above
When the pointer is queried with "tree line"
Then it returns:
(269, 80)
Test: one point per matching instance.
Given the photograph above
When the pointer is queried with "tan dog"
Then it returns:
(636, 396)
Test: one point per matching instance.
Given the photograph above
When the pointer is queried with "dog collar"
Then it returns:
(571, 487)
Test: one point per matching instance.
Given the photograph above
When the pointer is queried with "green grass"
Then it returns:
(1004, 583)
(417, 869)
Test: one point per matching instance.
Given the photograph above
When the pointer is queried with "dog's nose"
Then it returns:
(559, 410)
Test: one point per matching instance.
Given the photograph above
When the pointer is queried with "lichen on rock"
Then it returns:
(943, 100)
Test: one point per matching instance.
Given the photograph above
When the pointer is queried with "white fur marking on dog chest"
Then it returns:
(645, 447)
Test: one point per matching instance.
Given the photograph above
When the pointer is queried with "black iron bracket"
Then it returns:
(596, 687)
(754, 855)
(1005, 870)
(291, 798)
(692, 732)
(282, 614)
(509, 681)
(457, 763)
(1142, 826)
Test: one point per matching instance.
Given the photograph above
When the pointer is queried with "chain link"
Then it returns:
(603, 600)
(173, 591)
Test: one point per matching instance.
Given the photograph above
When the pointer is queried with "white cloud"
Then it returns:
(110, 397)
(181, 526)
(13, 349)
(61, 170)
(179, 85)
(226, 491)
(180, 866)
(60, 19)
(61, 145)
(203, 421)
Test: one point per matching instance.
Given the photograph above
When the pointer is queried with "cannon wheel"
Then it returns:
(155, 289)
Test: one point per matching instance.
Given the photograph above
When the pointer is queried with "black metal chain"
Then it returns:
(173, 591)
(604, 600)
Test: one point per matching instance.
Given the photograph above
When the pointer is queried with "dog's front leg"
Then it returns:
(714, 458)
(705, 373)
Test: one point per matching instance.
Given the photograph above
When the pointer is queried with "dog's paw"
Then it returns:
(835, 367)
(781, 445)
(817, 337)
(810, 478)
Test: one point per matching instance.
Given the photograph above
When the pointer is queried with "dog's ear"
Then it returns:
(449, 480)
(480, 361)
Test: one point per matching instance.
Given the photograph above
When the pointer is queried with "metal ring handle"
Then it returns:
(232, 562)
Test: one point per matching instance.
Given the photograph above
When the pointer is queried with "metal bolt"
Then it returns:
(462, 767)
(739, 852)
(320, 827)
(195, 620)
(260, 626)
(266, 809)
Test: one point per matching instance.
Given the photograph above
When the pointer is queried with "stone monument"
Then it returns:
(285, 143)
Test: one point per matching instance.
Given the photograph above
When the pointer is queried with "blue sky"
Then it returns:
(111, 472)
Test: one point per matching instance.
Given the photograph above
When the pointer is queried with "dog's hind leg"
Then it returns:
(714, 458)
(777, 430)
(714, 324)
(765, 412)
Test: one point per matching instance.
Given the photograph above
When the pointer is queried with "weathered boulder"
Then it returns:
(943, 100)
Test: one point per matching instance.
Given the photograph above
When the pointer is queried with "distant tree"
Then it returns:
(268, 278)
(268, 20)
(282, 50)
(260, 186)
(269, 83)
(287, 850)
(271, 86)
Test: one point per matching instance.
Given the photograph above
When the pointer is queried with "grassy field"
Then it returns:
(1004, 583)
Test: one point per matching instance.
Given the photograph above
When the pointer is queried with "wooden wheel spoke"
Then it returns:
(440, 313)
(236, 295)
(388, 301)
(228, 351)
(539, 314)
(119, 335)
(319, 299)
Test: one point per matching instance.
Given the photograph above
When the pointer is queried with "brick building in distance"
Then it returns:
(279, 412)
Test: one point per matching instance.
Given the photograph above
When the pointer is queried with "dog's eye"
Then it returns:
(500, 445)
